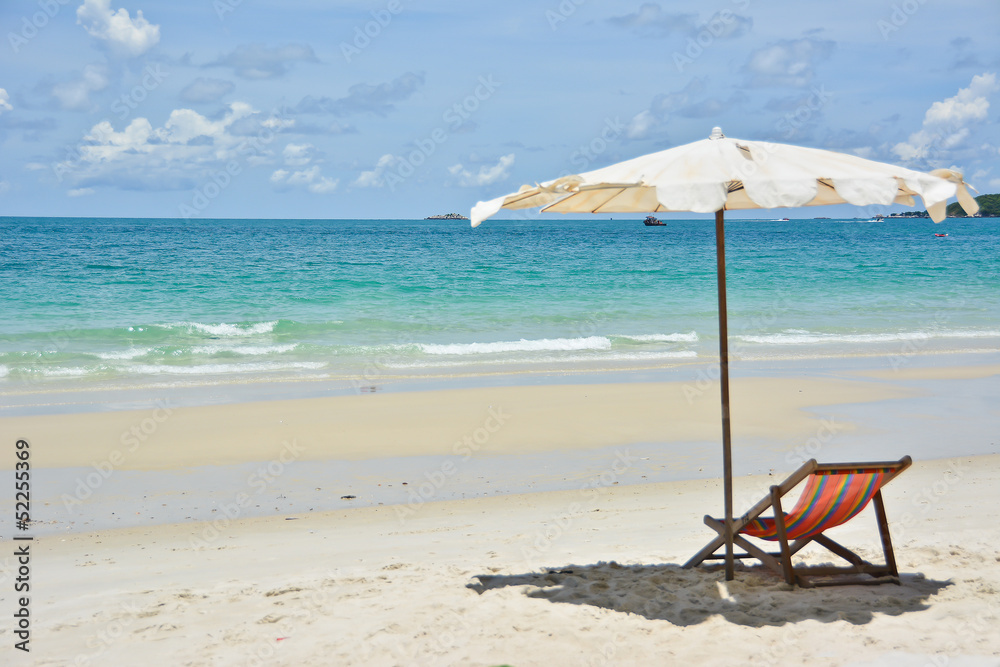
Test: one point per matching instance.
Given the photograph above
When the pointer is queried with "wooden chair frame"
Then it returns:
(781, 562)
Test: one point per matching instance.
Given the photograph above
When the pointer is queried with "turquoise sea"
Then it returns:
(141, 302)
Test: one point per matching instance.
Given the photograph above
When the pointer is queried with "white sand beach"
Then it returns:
(569, 578)
(589, 574)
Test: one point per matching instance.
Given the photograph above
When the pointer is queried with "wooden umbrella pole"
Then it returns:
(727, 439)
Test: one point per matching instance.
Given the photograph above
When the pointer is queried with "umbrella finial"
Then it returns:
(716, 133)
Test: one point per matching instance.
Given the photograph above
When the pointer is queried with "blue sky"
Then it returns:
(402, 109)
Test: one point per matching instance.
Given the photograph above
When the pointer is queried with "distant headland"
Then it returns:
(447, 216)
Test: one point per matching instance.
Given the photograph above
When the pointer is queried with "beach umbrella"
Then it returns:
(721, 173)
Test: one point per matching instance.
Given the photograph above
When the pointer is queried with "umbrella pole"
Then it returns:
(727, 439)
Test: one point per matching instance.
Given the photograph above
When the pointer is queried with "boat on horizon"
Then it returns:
(447, 216)
(650, 221)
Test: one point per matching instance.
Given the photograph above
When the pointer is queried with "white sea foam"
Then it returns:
(548, 359)
(247, 350)
(691, 337)
(809, 338)
(4, 371)
(224, 329)
(523, 345)
(125, 355)
(64, 372)
(225, 369)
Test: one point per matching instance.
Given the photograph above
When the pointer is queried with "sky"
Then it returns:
(405, 108)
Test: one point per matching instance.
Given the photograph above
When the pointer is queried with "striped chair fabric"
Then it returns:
(828, 500)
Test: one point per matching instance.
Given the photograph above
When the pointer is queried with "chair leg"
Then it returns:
(779, 522)
(840, 550)
(883, 529)
(752, 549)
(708, 549)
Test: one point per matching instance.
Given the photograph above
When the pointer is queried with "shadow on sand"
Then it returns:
(756, 598)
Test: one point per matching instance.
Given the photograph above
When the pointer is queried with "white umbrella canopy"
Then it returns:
(720, 173)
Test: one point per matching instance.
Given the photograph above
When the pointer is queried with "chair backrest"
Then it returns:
(834, 494)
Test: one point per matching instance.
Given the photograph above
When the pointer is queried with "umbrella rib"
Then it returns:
(609, 200)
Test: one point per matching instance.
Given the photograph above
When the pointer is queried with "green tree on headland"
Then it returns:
(989, 207)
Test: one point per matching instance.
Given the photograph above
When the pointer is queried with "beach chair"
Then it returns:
(834, 494)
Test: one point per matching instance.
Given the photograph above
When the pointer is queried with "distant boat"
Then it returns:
(940, 235)
(650, 221)
(781, 220)
(877, 218)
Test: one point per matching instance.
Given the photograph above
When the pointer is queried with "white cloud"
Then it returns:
(75, 95)
(5, 101)
(969, 104)
(205, 89)
(4, 187)
(311, 179)
(376, 177)
(183, 125)
(185, 149)
(298, 155)
(80, 192)
(641, 125)
(256, 61)
(486, 175)
(947, 124)
(301, 155)
(125, 35)
(787, 62)
(651, 20)
(279, 123)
